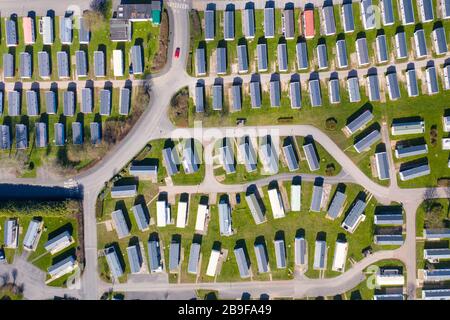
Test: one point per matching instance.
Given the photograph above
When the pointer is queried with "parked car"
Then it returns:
(177, 52)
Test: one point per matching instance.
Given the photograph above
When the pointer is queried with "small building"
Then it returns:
(367, 141)
(58, 242)
(359, 122)
(114, 264)
(226, 154)
(435, 294)
(256, 208)
(436, 255)
(145, 172)
(282, 57)
(63, 65)
(194, 259)
(225, 221)
(99, 64)
(355, 216)
(300, 251)
(154, 255)
(291, 156)
(322, 57)
(95, 133)
(382, 163)
(316, 199)
(65, 30)
(11, 33)
(409, 151)
(347, 17)
(353, 89)
(302, 55)
(280, 253)
(247, 153)
(221, 60)
(269, 22)
(406, 12)
(436, 234)
(44, 65)
(200, 62)
(105, 102)
(118, 63)
(248, 23)
(268, 155)
(5, 137)
(182, 214)
(420, 43)
(84, 34)
(447, 76)
(190, 160)
(142, 219)
(382, 51)
(320, 255)
(288, 24)
(367, 12)
(255, 94)
(8, 65)
(387, 12)
(337, 205)
(62, 267)
(171, 160)
(210, 25)
(199, 98)
(32, 103)
(295, 95)
(426, 10)
(125, 191)
(341, 54)
(276, 203)
(156, 6)
(413, 127)
(373, 87)
(21, 136)
(414, 171)
(120, 224)
(136, 60)
(124, 101)
(389, 296)
(340, 256)
(431, 80)
(119, 30)
(237, 97)
(162, 212)
(362, 51)
(134, 258)
(11, 233)
(315, 95)
(275, 93)
(77, 133)
(334, 91)
(86, 100)
(329, 23)
(29, 37)
(296, 194)
(46, 29)
(41, 134)
(445, 8)
(389, 277)
(228, 25)
(388, 239)
(261, 258)
(436, 275)
(202, 215)
(311, 156)
(135, 11)
(81, 63)
(308, 23)
(401, 49)
(241, 260)
(411, 83)
(217, 103)
(211, 270)
(26, 66)
(174, 256)
(59, 134)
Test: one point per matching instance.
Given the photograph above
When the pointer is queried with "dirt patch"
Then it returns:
(179, 108)
(160, 59)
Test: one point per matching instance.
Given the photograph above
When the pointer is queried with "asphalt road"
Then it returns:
(41, 7)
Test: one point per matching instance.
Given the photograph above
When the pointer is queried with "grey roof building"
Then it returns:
(248, 23)
(119, 30)
(355, 216)
(437, 275)
(406, 12)
(300, 251)
(125, 191)
(32, 103)
(237, 97)
(282, 57)
(382, 163)
(411, 83)
(316, 199)
(269, 22)
(261, 51)
(217, 102)
(311, 157)
(99, 64)
(191, 160)
(408, 151)
(436, 254)
(435, 294)
(86, 100)
(44, 64)
(58, 242)
(388, 219)
(362, 51)
(171, 160)
(320, 255)
(382, 53)
(59, 134)
(47, 30)
(13, 103)
(268, 155)
(65, 30)
(21, 136)
(221, 60)
(199, 98)
(95, 132)
(295, 95)
(69, 103)
(337, 205)
(174, 256)
(26, 66)
(412, 127)
(228, 25)
(241, 260)
(11, 233)
(291, 157)
(81, 62)
(414, 172)
(225, 221)
(227, 156)
(115, 267)
(353, 89)
(256, 209)
(136, 59)
(84, 34)
(154, 256)
(359, 122)
(445, 8)
(124, 102)
(390, 296)
(105, 102)
(426, 10)
(420, 43)
(248, 154)
(334, 91)
(366, 142)
(200, 62)
(261, 258)
(387, 12)
(63, 65)
(32, 234)
(120, 223)
(366, 14)
(392, 86)
(242, 58)
(373, 87)
(62, 267)
(347, 17)
(288, 23)
(280, 253)
(5, 137)
(341, 53)
(8, 65)
(210, 25)
(194, 257)
(436, 234)
(11, 33)
(255, 94)
(329, 23)
(141, 218)
(302, 55)
(275, 93)
(134, 258)
(41, 134)
(431, 80)
(322, 58)
(400, 45)
(77, 133)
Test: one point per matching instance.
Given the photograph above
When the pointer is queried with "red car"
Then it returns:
(177, 52)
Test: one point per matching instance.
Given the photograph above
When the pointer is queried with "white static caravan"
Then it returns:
(340, 256)
(202, 213)
(118, 63)
(162, 213)
(211, 270)
(182, 214)
(276, 203)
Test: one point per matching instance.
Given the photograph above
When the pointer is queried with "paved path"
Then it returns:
(41, 7)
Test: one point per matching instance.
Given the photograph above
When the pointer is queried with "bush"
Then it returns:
(101, 6)
(331, 124)
(330, 169)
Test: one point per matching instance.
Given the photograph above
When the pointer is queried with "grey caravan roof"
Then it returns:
(314, 93)
(113, 262)
(120, 223)
(255, 94)
(411, 83)
(432, 81)
(409, 151)
(11, 33)
(388, 239)
(382, 165)
(400, 45)
(316, 199)
(5, 137)
(105, 102)
(170, 160)
(407, 11)
(269, 22)
(261, 49)
(26, 68)
(228, 25)
(353, 216)
(295, 95)
(381, 44)
(1, 102)
(362, 51)
(77, 133)
(63, 64)
(237, 99)
(31, 235)
(390, 296)
(242, 58)
(44, 64)
(81, 61)
(392, 85)
(275, 95)
(32, 103)
(210, 25)
(221, 60)
(280, 253)
(84, 34)
(86, 100)
(191, 160)
(415, 172)
(388, 219)
(333, 91)
(136, 59)
(347, 17)
(99, 64)
(445, 6)
(329, 22)
(134, 258)
(227, 157)
(69, 103)
(426, 10)
(387, 12)
(200, 61)
(440, 40)
(302, 55)
(249, 23)
(366, 142)
(59, 134)
(225, 220)
(21, 136)
(261, 258)
(241, 261)
(353, 89)
(248, 154)
(366, 14)
(8, 65)
(60, 266)
(311, 157)
(50, 102)
(374, 87)
(300, 251)
(174, 256)
(341, 49)
(336, 205)
(289, 26)
(154, 255)
(319, 254)
(194, 257)
(41, 134)
(199, 98)
(322, 58)
(13, 103)
(291, 157)
(255, 208)
(359, 122)
(282, 57)
(421, 45)
(65, 30)
(124, 101)
(95, 132)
